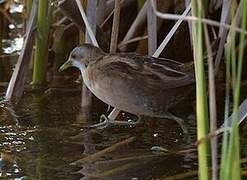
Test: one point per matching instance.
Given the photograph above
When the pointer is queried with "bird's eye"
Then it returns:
(73, 56)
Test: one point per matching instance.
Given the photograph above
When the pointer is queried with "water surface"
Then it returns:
(46, 135)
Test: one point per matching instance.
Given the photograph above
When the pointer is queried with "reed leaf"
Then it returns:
(201, 97)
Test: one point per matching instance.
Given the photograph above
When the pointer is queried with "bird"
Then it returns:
(134, 83)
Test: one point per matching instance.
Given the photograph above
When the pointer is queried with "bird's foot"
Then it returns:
(106, 122)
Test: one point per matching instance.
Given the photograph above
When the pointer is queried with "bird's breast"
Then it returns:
(98, 86)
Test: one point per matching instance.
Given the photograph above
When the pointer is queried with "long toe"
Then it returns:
(123, 123)
(106, 122)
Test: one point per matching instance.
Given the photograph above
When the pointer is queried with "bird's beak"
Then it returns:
(66, 65)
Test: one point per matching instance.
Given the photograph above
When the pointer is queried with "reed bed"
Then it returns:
(145, 34)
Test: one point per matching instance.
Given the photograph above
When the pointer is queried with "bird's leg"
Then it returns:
(179, 120)
(114, 113)
(110, 120)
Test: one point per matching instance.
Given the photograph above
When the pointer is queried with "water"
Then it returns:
(45, 136)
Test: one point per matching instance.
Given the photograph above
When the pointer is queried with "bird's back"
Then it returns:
(139, 84)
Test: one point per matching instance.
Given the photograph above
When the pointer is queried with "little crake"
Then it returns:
(130, 82)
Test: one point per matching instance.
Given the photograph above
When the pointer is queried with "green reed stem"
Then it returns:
(231, 157)
(201, 97)
(41, 52)
(234, 145)
(225, 144)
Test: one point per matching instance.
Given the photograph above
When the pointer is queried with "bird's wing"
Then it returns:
(142, 72)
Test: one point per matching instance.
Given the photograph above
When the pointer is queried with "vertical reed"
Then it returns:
(152, 28)
(115, 27)
(201, 97)
(230, 164)
(41, 52)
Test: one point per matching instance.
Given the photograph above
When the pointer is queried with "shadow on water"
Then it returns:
(44, 138)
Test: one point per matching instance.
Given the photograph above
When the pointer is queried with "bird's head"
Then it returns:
(81, 56)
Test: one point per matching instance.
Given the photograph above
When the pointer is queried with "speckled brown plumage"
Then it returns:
(133, 83)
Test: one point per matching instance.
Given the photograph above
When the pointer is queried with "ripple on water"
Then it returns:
(44, 141)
